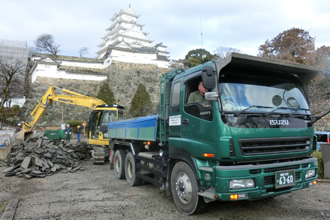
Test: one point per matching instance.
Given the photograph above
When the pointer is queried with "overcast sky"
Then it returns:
(240, 24)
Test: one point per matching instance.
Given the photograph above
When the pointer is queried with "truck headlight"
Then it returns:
(242, 183)
(310, 173)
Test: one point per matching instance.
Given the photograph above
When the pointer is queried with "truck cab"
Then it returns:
(250, 136)
(255, 139)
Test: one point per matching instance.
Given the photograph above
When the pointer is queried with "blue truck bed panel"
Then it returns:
(142, 128)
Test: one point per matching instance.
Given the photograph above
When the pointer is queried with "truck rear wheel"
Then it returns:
(185, 189)
(130, 169)
(119, 164)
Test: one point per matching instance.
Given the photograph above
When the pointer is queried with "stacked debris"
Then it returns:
(40, 157)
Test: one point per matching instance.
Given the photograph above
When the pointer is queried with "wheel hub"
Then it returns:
(183, 187)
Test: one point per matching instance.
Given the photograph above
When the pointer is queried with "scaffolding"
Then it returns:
(15, 50)
(12, 52)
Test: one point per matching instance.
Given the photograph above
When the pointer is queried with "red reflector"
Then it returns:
(208, 155)
(328, 141)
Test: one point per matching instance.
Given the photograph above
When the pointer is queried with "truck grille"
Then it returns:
(260, 146)
(274, 169)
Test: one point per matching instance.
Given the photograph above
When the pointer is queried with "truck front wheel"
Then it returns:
(130, 171)
(119, 166)
(185, 189)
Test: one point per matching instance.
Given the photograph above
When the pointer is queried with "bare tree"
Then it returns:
(294, 45)
(83, 51)
(12, 73)
(223, 52)
(319, 95)
(46, 43)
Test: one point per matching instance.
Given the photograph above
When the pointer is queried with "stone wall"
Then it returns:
(323, 124)
(123, 79)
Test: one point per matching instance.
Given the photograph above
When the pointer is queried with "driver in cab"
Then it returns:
(198, 96)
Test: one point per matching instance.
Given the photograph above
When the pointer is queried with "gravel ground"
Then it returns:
(96, 194)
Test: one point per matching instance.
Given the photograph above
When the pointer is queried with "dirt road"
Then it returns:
(96, 194)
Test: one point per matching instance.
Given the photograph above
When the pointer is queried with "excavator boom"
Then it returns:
(50, 96)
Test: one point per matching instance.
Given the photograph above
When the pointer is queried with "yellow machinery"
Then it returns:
(101, 114)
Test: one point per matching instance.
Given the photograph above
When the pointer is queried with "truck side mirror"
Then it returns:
(208, 77)
(211, 96)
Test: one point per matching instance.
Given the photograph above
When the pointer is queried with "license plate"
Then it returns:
(284, 178)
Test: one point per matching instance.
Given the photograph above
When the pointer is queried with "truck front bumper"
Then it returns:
(263, 177)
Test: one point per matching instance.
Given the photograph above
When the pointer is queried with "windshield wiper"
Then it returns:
(268, 113)
(291, 109)
(251, 106)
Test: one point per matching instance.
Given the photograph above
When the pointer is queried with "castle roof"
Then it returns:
(128, 11)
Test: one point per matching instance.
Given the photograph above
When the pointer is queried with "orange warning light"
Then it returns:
(208, 155)
(234, 196)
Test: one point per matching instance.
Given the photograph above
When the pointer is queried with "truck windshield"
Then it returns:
(262, 95)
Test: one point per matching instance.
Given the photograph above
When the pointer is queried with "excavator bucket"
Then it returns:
(21, 136)
(28, 135)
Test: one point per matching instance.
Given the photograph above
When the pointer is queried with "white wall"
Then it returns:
(162, 64)
(15, 101)
(51, 71)
(128, 57)
(82, 64)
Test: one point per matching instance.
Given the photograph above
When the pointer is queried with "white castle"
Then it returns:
(124, 42)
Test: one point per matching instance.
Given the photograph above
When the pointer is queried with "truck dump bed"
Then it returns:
(142, 128)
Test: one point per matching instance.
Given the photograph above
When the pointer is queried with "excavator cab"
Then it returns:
(99, 123)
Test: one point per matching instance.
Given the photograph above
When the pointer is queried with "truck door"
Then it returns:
(198, 131)
(93, 127)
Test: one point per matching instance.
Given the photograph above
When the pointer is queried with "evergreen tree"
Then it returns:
(198, 56)
(106, 94)
(141, 103)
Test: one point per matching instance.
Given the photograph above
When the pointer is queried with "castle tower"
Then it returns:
(125, 41)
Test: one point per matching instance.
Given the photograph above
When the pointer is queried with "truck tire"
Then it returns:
(130, 171)
(119, 164)
(185, 189)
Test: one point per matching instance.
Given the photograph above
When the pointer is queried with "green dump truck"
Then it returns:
(253, 140)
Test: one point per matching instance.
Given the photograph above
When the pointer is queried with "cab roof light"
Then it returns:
(208, 155)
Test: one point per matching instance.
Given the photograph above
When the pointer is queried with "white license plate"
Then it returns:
(284, 178)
